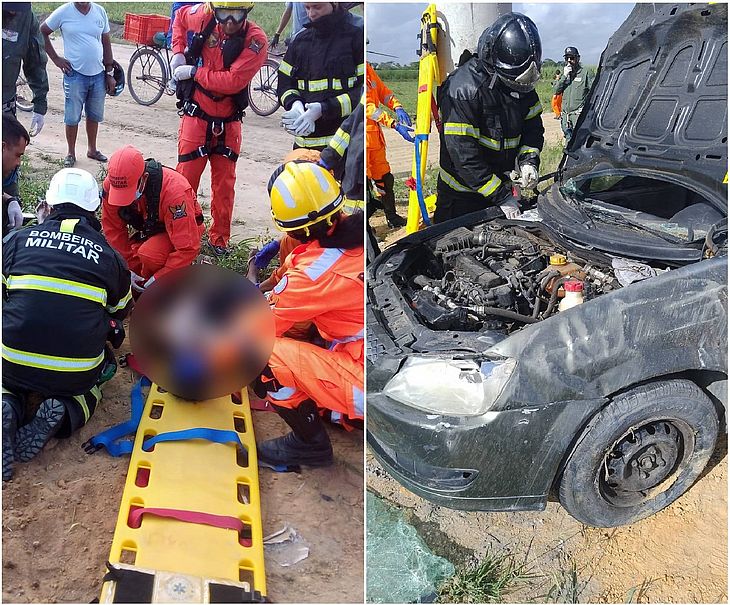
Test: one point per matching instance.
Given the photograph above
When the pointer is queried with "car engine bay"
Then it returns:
(495, 277)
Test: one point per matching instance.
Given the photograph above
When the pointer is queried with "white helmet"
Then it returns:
(73, 186)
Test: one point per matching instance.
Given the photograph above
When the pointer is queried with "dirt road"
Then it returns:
(60, 510)
(154, 129)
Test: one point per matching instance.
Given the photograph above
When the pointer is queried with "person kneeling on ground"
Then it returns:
(324, 285)
(65, 293)
(160, 206)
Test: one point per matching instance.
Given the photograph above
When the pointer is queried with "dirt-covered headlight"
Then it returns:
(450, 386)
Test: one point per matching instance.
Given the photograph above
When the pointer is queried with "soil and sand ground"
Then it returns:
(60, 510)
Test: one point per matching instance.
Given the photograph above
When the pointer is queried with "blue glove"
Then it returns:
(405, 132)
(321, 162)
(403, 116)
(263, 257)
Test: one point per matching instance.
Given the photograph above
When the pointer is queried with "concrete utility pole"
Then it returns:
(462, 25)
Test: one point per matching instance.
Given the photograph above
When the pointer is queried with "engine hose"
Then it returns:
(536, 310)
(554, 296)
(548, 276)
(502, 313)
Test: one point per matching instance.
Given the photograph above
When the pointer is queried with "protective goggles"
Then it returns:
(237, 15)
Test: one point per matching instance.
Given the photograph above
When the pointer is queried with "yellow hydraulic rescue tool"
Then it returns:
(189, 525)
(429, 78)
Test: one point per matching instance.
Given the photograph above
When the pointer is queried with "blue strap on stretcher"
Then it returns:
(111, 439)
(419, 138)
(214, 435)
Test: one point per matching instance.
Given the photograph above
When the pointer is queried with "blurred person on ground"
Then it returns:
(491, 121)
(212, 78)
(150, 215)
(88, 69)
(15, 140)
(574, 86)
(324, 285)
(23, 45)
(65, 294)
(321, 76)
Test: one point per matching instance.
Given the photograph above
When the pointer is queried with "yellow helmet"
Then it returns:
(302, 194)
(233, 5)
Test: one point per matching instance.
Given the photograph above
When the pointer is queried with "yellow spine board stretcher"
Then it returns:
(428, 79)
(191, 562)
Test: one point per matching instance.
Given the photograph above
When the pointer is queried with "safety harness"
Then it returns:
(152, 225)
(232, 48)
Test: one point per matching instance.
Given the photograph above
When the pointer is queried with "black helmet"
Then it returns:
(118, 78)
(571, 51)
(511, 48)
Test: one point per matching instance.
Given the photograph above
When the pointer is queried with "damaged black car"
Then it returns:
(579, 352)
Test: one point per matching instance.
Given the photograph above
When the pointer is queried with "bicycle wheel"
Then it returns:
(262, 91)
(23, 95)
(146, 76)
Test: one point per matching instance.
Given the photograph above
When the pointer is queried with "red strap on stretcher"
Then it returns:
(134, 519)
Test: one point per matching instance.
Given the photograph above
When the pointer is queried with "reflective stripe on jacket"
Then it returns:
(62, 283)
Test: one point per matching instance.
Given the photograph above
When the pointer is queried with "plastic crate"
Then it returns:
(141, 28)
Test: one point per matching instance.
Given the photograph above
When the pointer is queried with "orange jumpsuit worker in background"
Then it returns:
(378, 168)
(323, 284)
(161, 208)
(210, 129)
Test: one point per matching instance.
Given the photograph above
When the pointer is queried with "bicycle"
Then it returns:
(23, 94)
(262, 96)
(149, 73)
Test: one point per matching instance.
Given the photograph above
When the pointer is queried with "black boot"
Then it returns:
(33, 436)
(388, 202)
(12, 410)
(308, 444)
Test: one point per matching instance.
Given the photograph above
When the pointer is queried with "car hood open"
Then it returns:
(659, 102)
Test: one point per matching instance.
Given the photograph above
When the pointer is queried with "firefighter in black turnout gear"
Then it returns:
(65, 294)
(491, 121)
(321, 77)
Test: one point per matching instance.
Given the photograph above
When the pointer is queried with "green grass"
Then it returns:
(488, 581)
(33, 182)
(265, 14)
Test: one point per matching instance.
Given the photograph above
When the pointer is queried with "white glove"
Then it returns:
(177, 60)
(511, 208)
(15, 215)
(184, 72)
(567, 70)
(36, 124)
(137, 282)
(529, 176)
(149, 282)
(304, 124)
(289, 117)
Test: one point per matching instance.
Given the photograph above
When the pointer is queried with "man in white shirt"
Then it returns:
(87, 66)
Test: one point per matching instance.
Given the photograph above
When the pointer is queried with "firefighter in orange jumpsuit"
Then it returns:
(212, 98)
(160, 206)
(323, 285)
(378, 168)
